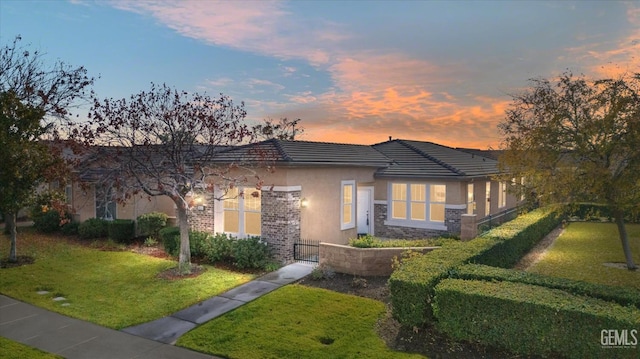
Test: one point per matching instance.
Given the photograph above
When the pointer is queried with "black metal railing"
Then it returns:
(306, 250)
(494, 220)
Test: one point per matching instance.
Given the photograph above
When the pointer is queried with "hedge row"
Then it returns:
(595, 211)
(621, 295)
(494, 313)
(412, 285)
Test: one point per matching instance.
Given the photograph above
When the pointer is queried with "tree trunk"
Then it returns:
(184, 259)
(10, 222)
(624, 238)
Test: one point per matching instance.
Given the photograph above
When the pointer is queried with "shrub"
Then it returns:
(367, 241)
(322, 272)
(70, 228)
(515, 238)
(218, 248)
(622, 295)
(250, 253)
(49, 221)
(528, 319)
(149, 224)
(412, 284)
(122, 230)
(197, 243)
(93, 228)
(170, 237)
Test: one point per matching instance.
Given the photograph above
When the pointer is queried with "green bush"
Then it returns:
(369, 241)
(122, 230)
(595, 211)
(70, 228)
(197, 243)
(150, 224)
(49, 221)
(516, 238)
(93, 228)
(531, 320)
(218, 248)
(621, 295)
(250, 253)
(170, 237)
(412, 284)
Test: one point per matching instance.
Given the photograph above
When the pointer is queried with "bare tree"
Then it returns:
(163, 142)
(577, 140)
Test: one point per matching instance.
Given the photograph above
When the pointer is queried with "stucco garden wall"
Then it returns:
(362, 261)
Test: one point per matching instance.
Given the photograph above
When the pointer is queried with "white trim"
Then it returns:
(415, 224)
(282, 188)
(352, 223)
(380, 201)
(455, 206)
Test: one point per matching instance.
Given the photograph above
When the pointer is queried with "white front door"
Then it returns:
(365, 210)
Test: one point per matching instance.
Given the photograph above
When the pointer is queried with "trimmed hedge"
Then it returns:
(412, 285)
(170, 237)
(621, 295)
(556, 322)
(93, 228)
(595, 211)
(150, 224)
(122, 230)
(517, 237)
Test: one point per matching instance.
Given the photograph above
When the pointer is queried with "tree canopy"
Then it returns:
(577, 140)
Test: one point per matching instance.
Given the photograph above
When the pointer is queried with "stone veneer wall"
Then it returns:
(453, 219)
(201, 217)
(362, 261)
(386, 231)
(281, 222)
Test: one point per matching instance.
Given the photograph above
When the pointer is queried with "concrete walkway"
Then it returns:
(73, 338)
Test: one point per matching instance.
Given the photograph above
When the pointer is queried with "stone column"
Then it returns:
(281, 221)
(201, 215)
(469, 227)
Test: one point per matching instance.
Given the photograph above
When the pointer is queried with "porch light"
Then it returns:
(304, 203)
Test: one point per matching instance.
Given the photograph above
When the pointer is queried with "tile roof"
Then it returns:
(429, 160)
(307, 153)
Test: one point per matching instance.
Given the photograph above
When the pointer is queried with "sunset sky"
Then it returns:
(354, 71)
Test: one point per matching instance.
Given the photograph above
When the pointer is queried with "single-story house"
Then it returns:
(333, 192)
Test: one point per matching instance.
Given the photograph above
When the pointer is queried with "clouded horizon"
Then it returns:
(353, 71)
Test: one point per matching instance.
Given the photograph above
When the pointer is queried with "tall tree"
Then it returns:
(37, 98)
(24, 159)
(577, 140)
(162, 143)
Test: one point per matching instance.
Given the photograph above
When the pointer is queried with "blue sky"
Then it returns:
(353, 71)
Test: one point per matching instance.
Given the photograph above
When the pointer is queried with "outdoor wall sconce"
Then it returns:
(304, 203)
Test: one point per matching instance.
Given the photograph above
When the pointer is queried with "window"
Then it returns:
(417, 203)
(438, 198)
(68, 194)
(487, 206)
(242, 211)
(348, 212)
(502, 194)
(471, 199)
(105, 203)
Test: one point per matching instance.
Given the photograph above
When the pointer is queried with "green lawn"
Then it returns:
(112, 289)
(581, 251)
(14, 350)
(296, 322)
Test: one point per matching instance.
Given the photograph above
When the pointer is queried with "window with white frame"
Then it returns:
(487, 204)
(347, 205)
(471, 199)
(417, 203)
(242, 211)
(502, 194)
